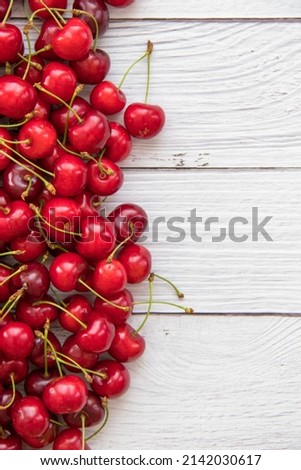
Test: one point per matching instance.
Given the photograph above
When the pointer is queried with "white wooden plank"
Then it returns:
(202, 9)
(211, 383)
(248, 277)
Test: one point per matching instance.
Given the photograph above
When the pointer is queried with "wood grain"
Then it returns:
(202, 9)
(247, 277)
(211, 383)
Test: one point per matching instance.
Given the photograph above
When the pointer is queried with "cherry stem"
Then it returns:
(77, 90)
(102, 170)
(46, 330)
(146, 54)
(12, 253)
(58, 423)
(150, 47)
(53, 13)
(150, 302)
(25, 193)
(47, 92)
(4, 210)
(48, 185)
(39, 215)
(126, 309)
(106, 418)
(177, 291)
(39, 334)
(27, 118)
(83, 423)
(11, 401)
(48, 302)
(4, 142)
(27, 14)
(15, 273)
(111, 256)
(33, 64)
(51, 245)
(80, 155)
(75, 364)
(11, 302)
(8, 11)
(161, 302)
(26, 33)
(82, 12)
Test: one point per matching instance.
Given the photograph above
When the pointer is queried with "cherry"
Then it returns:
(19, 182)
(5, 292)
(11, 43)
(10, 441)
(37, 356)
(136, 260)
(34, 279)
(93, 411)
(15, 218)
(119, 145)
(70, 175)
(4, 5)
(36, 381)
(38, 137)
(7, 398)
(107, 98)
(130, 220)
(93, 67)
(106, 180)
(48, 29)
(66, 394)
(85, 359)
(34, 73)
(98, 334)
(73, 41)
(66, 270)
(119, 3)
(42, 441)
(35, 5)
(41, 109)
(91, 134)
(97, 237)
(17, 97)
(114, 314)
(60, 219)
(36, 315)
(116, 382)
(80, 307)
(70, 439)
(58, 83)
(96, 8)
(88, 203)
(30, 247)
(127, 345)
(144, 121)
(62, 117)
(109, 278)
(16, 340)
(17, 367)
(30, 417)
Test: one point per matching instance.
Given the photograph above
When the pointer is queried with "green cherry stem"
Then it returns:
(8, 11)
(27, 118)
(11, 302)
(150, 48)
(179, 293)
(5, 143)
(39, 215)
(47, 92)
(12, 253)
(146, 54)
(77, 90)
(71, 362)
(14, 273)
(150, 303)
(161, 302)
(116, 249)
(126, 309)
(48, 302)
(58, 423)
(39, 334)
(106, 418)
(26, 34)
(83, 426)
(11, 401)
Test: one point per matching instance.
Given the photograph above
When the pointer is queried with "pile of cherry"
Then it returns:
(59, 156)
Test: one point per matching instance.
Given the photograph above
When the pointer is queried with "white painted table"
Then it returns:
(228, 74)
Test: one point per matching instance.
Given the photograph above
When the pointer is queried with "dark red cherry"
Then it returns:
(35, 279)
(17, 97)
(97, 237)
(60, 81)
(80, 307)
(10, 441)
(109, 278)
(107, 98)
(144, 121)
(104, 181)
(48, 29)
(30, 417)
(36, 315)
(70, 175)
(137, 262)
(73, 41)
(98, 9)
(11, 43)
(37, 357)
(16, 340)
(44, 440)
(119, 145)
(41, 109)
(127, 345)
(116, 381)
(36, 381)
(66, 394)
(32, 245)
(17, 367)
(88, 203)
(98, 335)
(130, 220)
(4, 4)
(85, 359)
(114, 314)
(6, 396)
(93, 67)
(5, 292)
(91, 134)
(35, 5)
(69, 439)
(93, 412)
(66, 270)
(19, 182)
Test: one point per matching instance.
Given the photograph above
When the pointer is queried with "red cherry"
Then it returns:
(62, 218)
(18, 367)
(35, 279)
(109, 278)
(16, 340)
(107, 98)
(73, 41)
(32, 245)
(66, 394)
(6, 398)
(98, 9)
(144, 121)
(88, 203)
(97, 336)
(11, 43)
(97, 237)
(40, 137)
(30, 417)
(17, 97)
(137, 262)
(36, 315)
(41, 109)
(70, 175)
(130, 220)
(45, 439)
(3, 9)
(69, 439)
(16, 180)
(62, 116)
(93, 67)
(119, 3)
(36, 381)
(80, 307)
(10, 441)
(93, 412)
(119, 145)
(34, 73)
(114, 314)
(59, 80)
(4, 160)
(85, 359)
(116, 382)
(5, 291)
(91, 134)
(37, 356)
(48, 29)
(127, 345)
(15, 220)
(35, 5)
(66, 270)
(105, 181)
